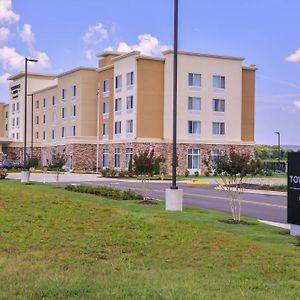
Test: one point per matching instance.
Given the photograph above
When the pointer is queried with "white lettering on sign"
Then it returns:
(294, 179)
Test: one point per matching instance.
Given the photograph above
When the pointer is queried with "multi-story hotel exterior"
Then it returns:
(133, 95)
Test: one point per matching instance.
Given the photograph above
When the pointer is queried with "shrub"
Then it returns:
(105, 191)
(187, 173)
(269, 173)
(3, 173)
(206, 173)
(196, 174)
(31, 163)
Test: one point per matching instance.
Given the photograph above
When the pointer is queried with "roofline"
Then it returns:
(109, 52)
(105, 68)
(126, 55)
(22, 74)
(76, 70)
(45, 89)
(251, 67)
(150, 58)
(170, 51)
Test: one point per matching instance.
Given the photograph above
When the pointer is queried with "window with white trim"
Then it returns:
(105, 158)
(219, 105)
(37, 135)
(44, 119)
(63, 112)
(13, 108)
(53, 134)
(129, 79)
(106, 86)
(194, 80)
(44, 103)
(129, 127)
(63, 94)
(73, 130)
(194, 103)
(194, 127)
(118, 128)
(118, 83)
(129, 103)
(117, 158)
(218, 82)
(105, 129)
(194, 159)
(37, 120)
(129, 156)
(118, 105)
(18, 107)
(105, 107)
(17, 122)
(37, 104)
(74, 111)
(216, 154)
(74, 91)
(218, 128)
(63, 131)
(54, 101)
(44, 135)
(18, 135)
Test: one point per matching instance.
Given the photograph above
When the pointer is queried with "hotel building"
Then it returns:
(125, 106)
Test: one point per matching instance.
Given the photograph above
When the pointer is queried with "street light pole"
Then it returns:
(279, 148)
(25, 106)
(174, 158)
(98, 121)
(31, 152)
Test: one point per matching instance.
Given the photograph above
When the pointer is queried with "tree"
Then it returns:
(232, 168)
(58, 162)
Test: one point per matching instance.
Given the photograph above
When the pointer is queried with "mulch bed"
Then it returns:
(231, 221)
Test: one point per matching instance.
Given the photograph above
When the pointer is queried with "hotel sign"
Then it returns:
(293, 207)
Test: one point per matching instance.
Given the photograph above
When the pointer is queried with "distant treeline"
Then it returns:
(271, 153)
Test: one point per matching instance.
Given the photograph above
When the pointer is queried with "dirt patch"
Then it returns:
(231, 221)
(148, 202)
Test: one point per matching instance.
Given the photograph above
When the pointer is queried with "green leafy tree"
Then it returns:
(58, 162)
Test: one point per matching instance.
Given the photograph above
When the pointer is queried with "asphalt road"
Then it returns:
(265, 207)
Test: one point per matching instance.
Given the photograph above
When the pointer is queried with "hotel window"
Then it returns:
(118, 105)
(37, 135)
(18, 135)
(6, 127)
(18, 106)
(44, 119)
(118, 83)
(118, 127)
(63, 131)
(74, 111)
(129, 156)
(37, 120)
(74, 91)
(219, 105)
(53, 134)
(194, 103)
(13, 135)
(54, 117)
(105, 129)
(194, 159)
(44, 135)
(37, 104)
(105, 107)
(6, 114)
(73, 130)
(218, 82)
(14, 108)
(129, 127)
(106, 86)
(17, 122)
(194, 127)
(44, 103)
(13, 123)
(129, 103)
(129, 77)
(117, 157)
(216, 154)
(218, 128)
(105, 158)
(194, 80)
(63, 112)
(54, 102)
(63, 94)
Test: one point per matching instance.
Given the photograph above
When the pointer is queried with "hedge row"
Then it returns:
(105, 191)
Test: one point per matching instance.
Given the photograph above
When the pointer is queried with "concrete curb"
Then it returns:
(260, 192)
(276, 224)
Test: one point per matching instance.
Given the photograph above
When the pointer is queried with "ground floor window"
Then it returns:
(217, 153)
(194, 159)
(117, 158)
(129, 156)
(105, 157)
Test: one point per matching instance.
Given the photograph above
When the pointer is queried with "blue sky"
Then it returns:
(66, 34)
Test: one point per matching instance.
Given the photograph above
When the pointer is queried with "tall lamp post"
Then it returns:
(31, 151)
(279, 150)
(174, 195)
(25, 105)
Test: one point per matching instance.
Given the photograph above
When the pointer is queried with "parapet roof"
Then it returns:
(32, 74)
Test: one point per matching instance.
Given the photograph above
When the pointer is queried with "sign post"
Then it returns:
(293, 203)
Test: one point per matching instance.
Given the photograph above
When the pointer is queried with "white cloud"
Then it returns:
(296, 104)
(11, 59)
(3, 78)
(4, 34)
(294, 57)
(6, 13)
(148, 45)
(89, 54)
(43, 61)
(95, 34)
(27, 35)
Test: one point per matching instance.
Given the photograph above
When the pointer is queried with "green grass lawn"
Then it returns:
(56, 244)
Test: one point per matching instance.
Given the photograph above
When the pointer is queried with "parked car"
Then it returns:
(10, 164)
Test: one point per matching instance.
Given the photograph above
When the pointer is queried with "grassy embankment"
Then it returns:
(56, 244)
